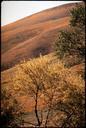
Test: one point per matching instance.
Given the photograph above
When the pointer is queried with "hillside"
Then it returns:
(35, 34)
(42, 78)
(25, 100)
(8, 76)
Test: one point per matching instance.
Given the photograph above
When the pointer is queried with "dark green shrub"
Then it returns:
(78, 16)
(72, 41)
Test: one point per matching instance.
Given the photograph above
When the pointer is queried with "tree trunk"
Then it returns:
(36, 111)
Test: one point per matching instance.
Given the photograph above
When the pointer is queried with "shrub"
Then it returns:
(61, 90)
(72, 41)
(78, 16)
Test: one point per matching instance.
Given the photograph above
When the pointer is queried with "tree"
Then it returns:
(72, 41)
(32, 79)
(62, 94)
(78, 16)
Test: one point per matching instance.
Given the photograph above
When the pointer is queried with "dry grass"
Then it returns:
(27, 35)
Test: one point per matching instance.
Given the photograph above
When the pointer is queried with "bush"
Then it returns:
(78, 16)
(61, 90)
(72, 41)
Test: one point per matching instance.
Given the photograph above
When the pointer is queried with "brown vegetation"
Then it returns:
(42, 79)
(43, 91)
(35, 32)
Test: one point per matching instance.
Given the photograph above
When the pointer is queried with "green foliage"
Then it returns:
(72, 41)
(78, 16)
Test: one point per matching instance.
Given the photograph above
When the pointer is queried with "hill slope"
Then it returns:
(35, 34)
(8, 76)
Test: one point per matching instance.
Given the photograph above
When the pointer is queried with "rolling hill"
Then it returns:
(32, 35)
(26, 39)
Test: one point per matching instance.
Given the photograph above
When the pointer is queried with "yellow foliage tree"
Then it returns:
(61, 90)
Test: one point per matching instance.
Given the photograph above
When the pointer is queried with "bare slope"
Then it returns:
(35, 34)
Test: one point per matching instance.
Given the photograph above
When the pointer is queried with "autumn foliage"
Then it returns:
(61, 89)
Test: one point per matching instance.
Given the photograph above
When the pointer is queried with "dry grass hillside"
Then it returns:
(40, 89)
(35, 34)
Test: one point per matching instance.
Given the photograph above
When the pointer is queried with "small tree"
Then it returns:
(61, 91)
(78, 16)
(32, 78)
(72, 41)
